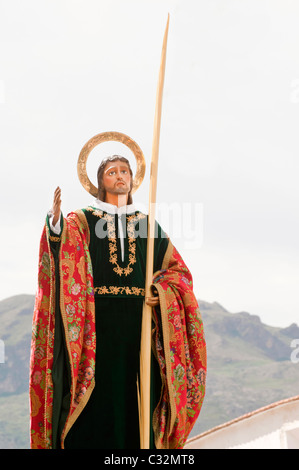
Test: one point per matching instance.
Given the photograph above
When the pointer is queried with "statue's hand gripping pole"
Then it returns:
(145, 348)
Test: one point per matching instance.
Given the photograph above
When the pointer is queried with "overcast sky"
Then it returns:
(229, 139)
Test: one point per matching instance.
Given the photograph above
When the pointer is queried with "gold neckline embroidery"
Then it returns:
(113, 258)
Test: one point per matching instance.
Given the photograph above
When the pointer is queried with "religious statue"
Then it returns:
(85, 365)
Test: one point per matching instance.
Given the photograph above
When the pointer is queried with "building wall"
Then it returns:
(273, 427)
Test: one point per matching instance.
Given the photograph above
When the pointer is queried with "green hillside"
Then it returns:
(249, 366)
(15, 330)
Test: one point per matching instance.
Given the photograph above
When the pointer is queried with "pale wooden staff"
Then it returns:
(145, 347)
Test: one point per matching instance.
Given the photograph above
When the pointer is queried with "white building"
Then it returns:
(275, 426)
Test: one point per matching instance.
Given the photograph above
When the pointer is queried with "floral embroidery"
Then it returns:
(45, 263)
(76, 289)
(111, 232)
(118, 290)
(74, 332)
(179, 373)
(182, 360)
(78, 314)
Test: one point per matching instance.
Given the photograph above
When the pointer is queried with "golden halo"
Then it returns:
(106, 137)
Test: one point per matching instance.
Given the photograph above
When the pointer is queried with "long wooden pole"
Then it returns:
(145, 348)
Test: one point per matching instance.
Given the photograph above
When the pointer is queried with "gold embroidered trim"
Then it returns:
(71, 420)
(117, 290)
(48, 379)
(85, 226)
(167, 256)
(113, 258)
(96, 212)
(166, 342)
(65, 323)
(54, 239)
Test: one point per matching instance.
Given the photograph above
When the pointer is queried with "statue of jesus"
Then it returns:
(87, 327)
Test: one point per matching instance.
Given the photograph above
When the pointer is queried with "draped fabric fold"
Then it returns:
(78, 316)
(179, 344)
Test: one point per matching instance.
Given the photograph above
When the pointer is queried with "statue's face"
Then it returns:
(117, 178)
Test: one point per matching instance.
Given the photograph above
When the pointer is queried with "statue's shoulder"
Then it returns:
(139, 214)
(92, 211)
(78, 218)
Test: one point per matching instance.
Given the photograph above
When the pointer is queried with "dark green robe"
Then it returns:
(110, 418)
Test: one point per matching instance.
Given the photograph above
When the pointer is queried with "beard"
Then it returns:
(120, 188)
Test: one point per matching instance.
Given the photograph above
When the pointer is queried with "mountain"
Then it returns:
(249, 366)
(15, 331)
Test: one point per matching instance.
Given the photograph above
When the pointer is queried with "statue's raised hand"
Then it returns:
(56, 205)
